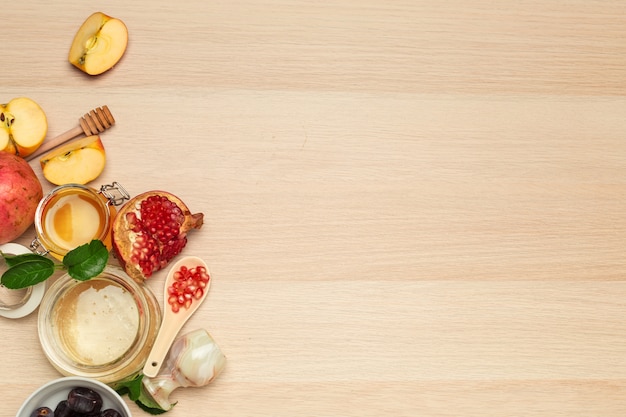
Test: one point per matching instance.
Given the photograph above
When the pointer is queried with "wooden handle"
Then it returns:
(96, 121)
(172, 322)
(165, 338)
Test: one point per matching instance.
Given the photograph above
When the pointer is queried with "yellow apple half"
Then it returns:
(99, 43)
(23, 126)
(77, 162)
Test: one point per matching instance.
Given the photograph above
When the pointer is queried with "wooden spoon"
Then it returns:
(173, 321)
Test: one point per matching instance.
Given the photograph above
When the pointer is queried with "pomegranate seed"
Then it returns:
(189, 284)
(155, 223)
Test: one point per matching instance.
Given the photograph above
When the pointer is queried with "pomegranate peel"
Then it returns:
(20, 193)
(150, 230)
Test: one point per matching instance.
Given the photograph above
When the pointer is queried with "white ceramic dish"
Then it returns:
(31, 296)
(55, 391)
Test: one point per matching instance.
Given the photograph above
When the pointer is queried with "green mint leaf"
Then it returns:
(86, 261)
(13, 260)
(82, 263)
(131, 387)
(28, 273)
(136, 393)
(143, 403)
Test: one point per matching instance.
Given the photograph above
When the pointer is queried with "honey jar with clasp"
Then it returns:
(73, 214)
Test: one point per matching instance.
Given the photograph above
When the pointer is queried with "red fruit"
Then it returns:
(188, 285)
(150, 230)
(20, 193)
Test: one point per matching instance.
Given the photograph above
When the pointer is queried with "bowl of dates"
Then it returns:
(74, 397)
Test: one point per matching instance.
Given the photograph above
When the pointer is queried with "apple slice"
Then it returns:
(77, 162)
(23, 126)
(99, 43)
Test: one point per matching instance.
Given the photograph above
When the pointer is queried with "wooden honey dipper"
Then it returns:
(96, 121)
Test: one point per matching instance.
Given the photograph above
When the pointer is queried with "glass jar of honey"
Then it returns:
(102, 328)
(73, 214)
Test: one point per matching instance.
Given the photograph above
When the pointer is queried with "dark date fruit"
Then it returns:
(63, 410)
(84, 400)
(80, 402)
(42, 412)
(109, 412)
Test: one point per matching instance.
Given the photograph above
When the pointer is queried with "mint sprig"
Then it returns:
(137, 393)
(82, 263)
(86, 261)
(26, 270)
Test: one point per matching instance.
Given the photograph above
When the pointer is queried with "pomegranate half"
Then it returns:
(150, 230)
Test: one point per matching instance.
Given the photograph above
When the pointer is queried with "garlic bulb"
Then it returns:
(194, 360)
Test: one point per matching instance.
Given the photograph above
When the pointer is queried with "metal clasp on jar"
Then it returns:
(115, 193)
(38, 248)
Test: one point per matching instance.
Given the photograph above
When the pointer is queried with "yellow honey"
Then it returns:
(74, 219)
(103, 328)
(96, 321)
(72, 215)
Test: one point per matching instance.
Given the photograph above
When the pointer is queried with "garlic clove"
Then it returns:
(194, 360)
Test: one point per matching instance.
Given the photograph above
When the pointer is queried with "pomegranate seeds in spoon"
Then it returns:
(189, 284)
(150, 230)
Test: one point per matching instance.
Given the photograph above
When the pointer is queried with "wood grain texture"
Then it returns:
(412, 207)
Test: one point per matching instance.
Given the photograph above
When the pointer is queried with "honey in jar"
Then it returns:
(102, 328)
(74, 219)
(72, 215)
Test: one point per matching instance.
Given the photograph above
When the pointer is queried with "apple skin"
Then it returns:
(23, 126)
(77, 162)
(99, 44)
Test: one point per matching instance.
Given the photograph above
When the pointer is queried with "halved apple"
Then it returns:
(77, 162)
(99, 43)
(23, 126)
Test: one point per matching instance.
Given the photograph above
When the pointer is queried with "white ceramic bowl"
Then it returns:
(53, 392)
(11, 305)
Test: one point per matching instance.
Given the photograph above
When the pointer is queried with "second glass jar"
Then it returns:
(103, 328)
